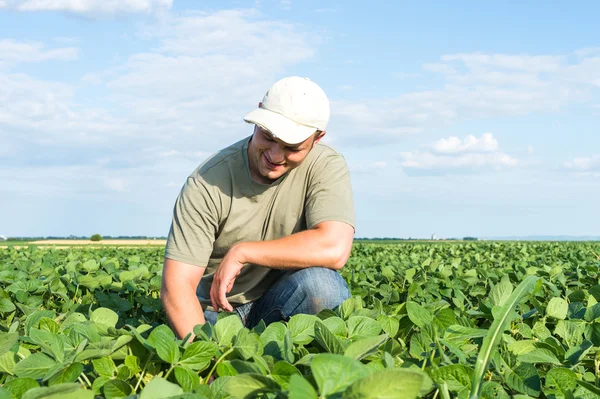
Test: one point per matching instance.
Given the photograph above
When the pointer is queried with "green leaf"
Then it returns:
(282, 372)
(299, 388)
(364, 347)
(500, 293)
(576, 354)
(560, 382)
(539, 355)
(458, 377)
(61, 391)
(160, 388)
(162, 339)
(490, 342)
(390, 325)
(187, 379)
(362, 327)
(493, 390)
(68, 374)
(226, 328)
(19, 386)
(387, 384)
(116, 389)
(7, 341)
(104, 316)
(34, 366)
(327, 340)
(198, 355)
(334, 373)
(302, 328)
(247, 344)
(419, 315)
(249, 385)
(524, 379)
(277, 342)
(557, 308)
(105, 366)
(590, 387)
(6, 305)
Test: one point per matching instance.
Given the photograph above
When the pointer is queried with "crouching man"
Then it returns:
(262, 227)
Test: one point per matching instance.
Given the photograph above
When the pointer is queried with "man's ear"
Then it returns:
(318, 136)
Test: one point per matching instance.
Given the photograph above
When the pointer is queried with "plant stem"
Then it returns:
(216, 363)
(139, 381)
(169, 372)
(86, 379)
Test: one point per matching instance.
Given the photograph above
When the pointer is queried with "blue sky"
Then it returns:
(479, 120)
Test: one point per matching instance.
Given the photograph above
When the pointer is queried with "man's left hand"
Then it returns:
(223, 280)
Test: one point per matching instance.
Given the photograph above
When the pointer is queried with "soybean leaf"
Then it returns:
(163, 340)
(362, 326)
(226, 328)
(327, 340)
(187, 378)
(249, 385)
(116, 389)
(34, 366)
(159, 388)
(557, 308)
(299, 388)
(387, 384)
(364, 347)
(247, 344)
(198, 355)
(7, 341)
(418, 314)
(334, 373)
(19, 386)
(60, 391)
(302, 328)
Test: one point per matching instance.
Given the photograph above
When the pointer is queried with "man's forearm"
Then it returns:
(315, 247)
(184, 312)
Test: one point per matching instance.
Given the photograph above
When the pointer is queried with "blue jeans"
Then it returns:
(306, 291)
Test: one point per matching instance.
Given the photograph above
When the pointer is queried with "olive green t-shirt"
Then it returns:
(220, 205)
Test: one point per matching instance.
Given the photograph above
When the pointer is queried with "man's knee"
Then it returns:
(320, 288)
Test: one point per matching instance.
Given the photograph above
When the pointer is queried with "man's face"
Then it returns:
(270, 158)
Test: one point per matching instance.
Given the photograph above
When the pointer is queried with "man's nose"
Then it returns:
(277, 153)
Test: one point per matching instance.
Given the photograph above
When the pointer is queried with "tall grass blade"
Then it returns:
(491, 340)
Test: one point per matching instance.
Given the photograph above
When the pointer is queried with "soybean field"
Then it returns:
(426, 320)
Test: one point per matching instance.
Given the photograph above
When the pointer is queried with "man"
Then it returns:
(261, 227)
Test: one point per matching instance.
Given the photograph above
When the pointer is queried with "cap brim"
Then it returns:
(282, 128)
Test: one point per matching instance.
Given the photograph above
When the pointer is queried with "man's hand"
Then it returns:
(223, 280)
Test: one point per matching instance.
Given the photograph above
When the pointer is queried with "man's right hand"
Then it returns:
(178, 296)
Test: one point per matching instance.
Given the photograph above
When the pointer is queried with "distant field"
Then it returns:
(69, 243)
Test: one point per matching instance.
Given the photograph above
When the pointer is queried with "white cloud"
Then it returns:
(119, 185)
(14, 52)
(89, 7)
(475, 86)
(428, 160)
(367, 167)
(286, 4)
(454, 153)
(584, 163)
(451, 145)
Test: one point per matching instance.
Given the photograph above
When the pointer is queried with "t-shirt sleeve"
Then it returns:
(194, 226)
(329, 195)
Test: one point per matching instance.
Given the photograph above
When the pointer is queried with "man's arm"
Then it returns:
(178, 296)
(328, 245)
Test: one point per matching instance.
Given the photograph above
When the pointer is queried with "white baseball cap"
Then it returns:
(293, 109)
